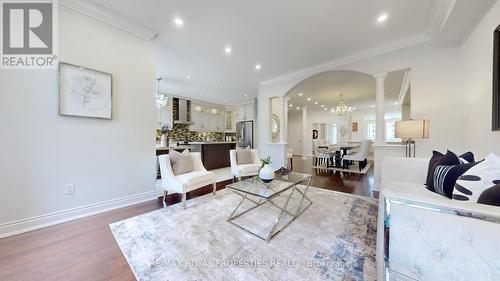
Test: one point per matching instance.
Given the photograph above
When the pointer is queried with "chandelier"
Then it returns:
(161, 99)
(342, 108)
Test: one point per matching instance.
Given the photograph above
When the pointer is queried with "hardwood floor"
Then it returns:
(86, 250)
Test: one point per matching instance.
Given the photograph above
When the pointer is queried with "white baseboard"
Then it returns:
(29, 224)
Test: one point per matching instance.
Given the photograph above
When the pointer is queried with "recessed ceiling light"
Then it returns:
(178, 22)
(245, 95)
(315, 102)
(382, 18)
(258, 67)
(188, 77)
(301, 94)
(290, 105)
(322, 106)
(228, 50)
(298, 108)
(396, 103)
(308, 99)
(373, 106)
(325, 108)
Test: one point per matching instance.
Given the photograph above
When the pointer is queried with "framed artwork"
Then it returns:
(496, 80)
(354, 126)
(84, 92)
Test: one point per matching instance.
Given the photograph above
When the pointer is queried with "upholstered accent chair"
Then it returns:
(361, 156)
(244, 170)
(186, 182)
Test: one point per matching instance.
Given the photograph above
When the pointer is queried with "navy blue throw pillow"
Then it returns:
(490, 196)
(438, 159)
(445, 177)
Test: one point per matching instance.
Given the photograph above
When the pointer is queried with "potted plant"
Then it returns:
(266, 173)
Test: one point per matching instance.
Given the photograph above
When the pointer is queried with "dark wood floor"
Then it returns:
(86, 250)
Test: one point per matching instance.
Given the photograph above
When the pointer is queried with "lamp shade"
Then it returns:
(412, 129)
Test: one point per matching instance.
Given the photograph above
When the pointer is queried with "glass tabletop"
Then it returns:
(281, 183)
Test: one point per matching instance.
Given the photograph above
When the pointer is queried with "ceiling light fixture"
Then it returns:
(258, 67)
(315, 102)
(322, 106)
(290, 105)
(228, 50)
(298, 108)
(396, 103)
(342, 108)
(301, 94)
(188, 77)
(161, 99)
(178, 22)
(308, 99)
(382, 18)
(245, 95)
(373, 106)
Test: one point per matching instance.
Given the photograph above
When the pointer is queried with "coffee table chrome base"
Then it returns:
(283, 210)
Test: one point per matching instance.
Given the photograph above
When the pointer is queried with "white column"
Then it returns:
(305, 133)
(283, 112)
(380, 107)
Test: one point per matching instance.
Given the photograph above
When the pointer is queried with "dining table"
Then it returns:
(335, 159)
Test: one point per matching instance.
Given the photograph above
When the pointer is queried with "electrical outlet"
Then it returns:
(69, 189)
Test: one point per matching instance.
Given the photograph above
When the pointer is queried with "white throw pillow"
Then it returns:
(478, 178)
(181, 162)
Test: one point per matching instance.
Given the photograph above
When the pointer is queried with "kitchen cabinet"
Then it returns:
(229, 122)
(245, 111)
(164, 116)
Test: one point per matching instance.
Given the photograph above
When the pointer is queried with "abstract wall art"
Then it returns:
(84, 92)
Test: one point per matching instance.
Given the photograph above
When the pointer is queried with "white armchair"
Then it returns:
(187, 182)
(245, 170)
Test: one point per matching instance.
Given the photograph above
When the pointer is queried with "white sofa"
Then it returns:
(187, 182)
(422, 235)
(245, 170)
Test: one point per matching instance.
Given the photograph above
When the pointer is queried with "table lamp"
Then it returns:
(410, 130)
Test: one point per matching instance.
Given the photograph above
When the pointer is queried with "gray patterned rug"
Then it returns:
(333, 240)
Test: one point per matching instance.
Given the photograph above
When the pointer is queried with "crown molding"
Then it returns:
(331, 65)
(439, 14)
(110, 17)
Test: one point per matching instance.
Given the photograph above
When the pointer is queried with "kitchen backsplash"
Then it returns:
(181, 132)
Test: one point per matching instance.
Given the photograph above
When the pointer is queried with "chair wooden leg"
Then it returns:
(184, 200)
(291, 164)
(215, 187)
(165, 193)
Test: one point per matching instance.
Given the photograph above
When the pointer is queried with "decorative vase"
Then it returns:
(266, 173)
(164, 141)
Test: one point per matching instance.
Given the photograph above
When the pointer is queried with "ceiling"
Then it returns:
(358, 89)
(282, 35)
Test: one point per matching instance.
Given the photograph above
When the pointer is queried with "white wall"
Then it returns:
(42, 151)
(476, 86)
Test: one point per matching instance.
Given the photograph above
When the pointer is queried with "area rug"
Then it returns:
(334, 239)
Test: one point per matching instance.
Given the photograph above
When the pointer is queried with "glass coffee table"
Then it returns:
(277, 194)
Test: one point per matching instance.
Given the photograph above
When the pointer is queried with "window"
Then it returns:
(371, 130)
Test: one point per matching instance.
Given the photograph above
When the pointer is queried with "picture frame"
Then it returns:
(496, 81)
(354, 126)
(85, 92)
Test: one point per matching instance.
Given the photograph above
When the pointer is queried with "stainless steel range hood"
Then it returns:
(184, 112)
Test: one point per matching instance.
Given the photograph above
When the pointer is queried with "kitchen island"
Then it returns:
(214, 155)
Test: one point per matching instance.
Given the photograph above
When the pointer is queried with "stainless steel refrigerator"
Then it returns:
(244, 133)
